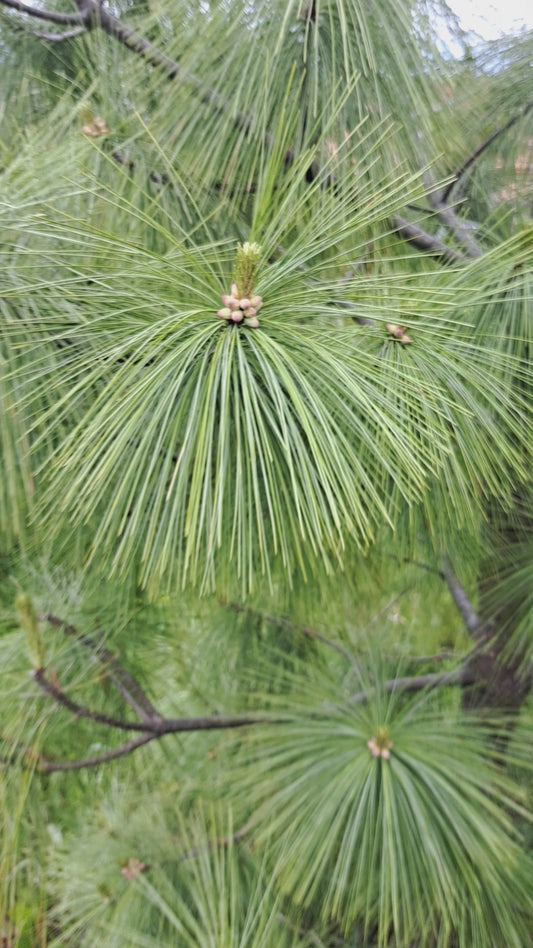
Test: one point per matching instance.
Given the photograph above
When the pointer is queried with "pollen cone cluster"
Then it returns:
(239, 309)
(241, 305)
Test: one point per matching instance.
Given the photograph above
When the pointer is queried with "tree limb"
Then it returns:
(49, 15)
(465, 608)
(461, 676)
(473, 157)
(157, 727)
(128, 687)
(454, 225)
(53, 766)
(420, 239)
(80, 711)
(155, 730)
(281, 620)
(457, 676)
(58, 37)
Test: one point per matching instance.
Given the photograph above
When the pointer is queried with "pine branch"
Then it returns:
(157, 727)
(457, 676)
(80, 711)
(128, 687)
(49, 15)
(464, 606)
(473, 157)
(53, 766)
(93, 14)
(281, 620)
(58, 37)
(454, 225)
(419, 238)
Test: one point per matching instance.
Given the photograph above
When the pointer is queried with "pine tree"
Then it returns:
(266, 471)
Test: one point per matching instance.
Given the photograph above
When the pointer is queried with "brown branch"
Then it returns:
(99, 16)
(92, 14)
(455, 225)
(155, 730)
(431, 245)
(466, 609)
(58, 37)
(223, 841)
(80, 711)
(464, 606)
(157, 727)
(151, 730)
(128, 687)
(473, 157)
(53, 766)
(139, 44)
(281, 620)
(461, 676)
(457, 676)
(49, 15)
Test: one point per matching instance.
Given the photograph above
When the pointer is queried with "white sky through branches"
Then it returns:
(490, 19)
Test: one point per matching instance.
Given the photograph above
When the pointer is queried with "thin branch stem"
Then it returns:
(49, 15)
(419, 238)
(473, 157)
(157, 727)
(80, 711)
(128, 687)
(235, 837)
(281, 620)
(464, 606)
(53, 766)
(58, 37)
(457, 676)
(457, 228)
(461, 676)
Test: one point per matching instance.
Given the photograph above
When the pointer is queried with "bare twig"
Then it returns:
(79, 710)
(456, 227)
(473, 157)
(465, 608)
(49, 15)
(128, 687)
(461, 676)
(158, 726)
(281, 620)
(223, 841)
(59, 37)
(431, 245)
(156, 729)
(53, 766)
(457, 676)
